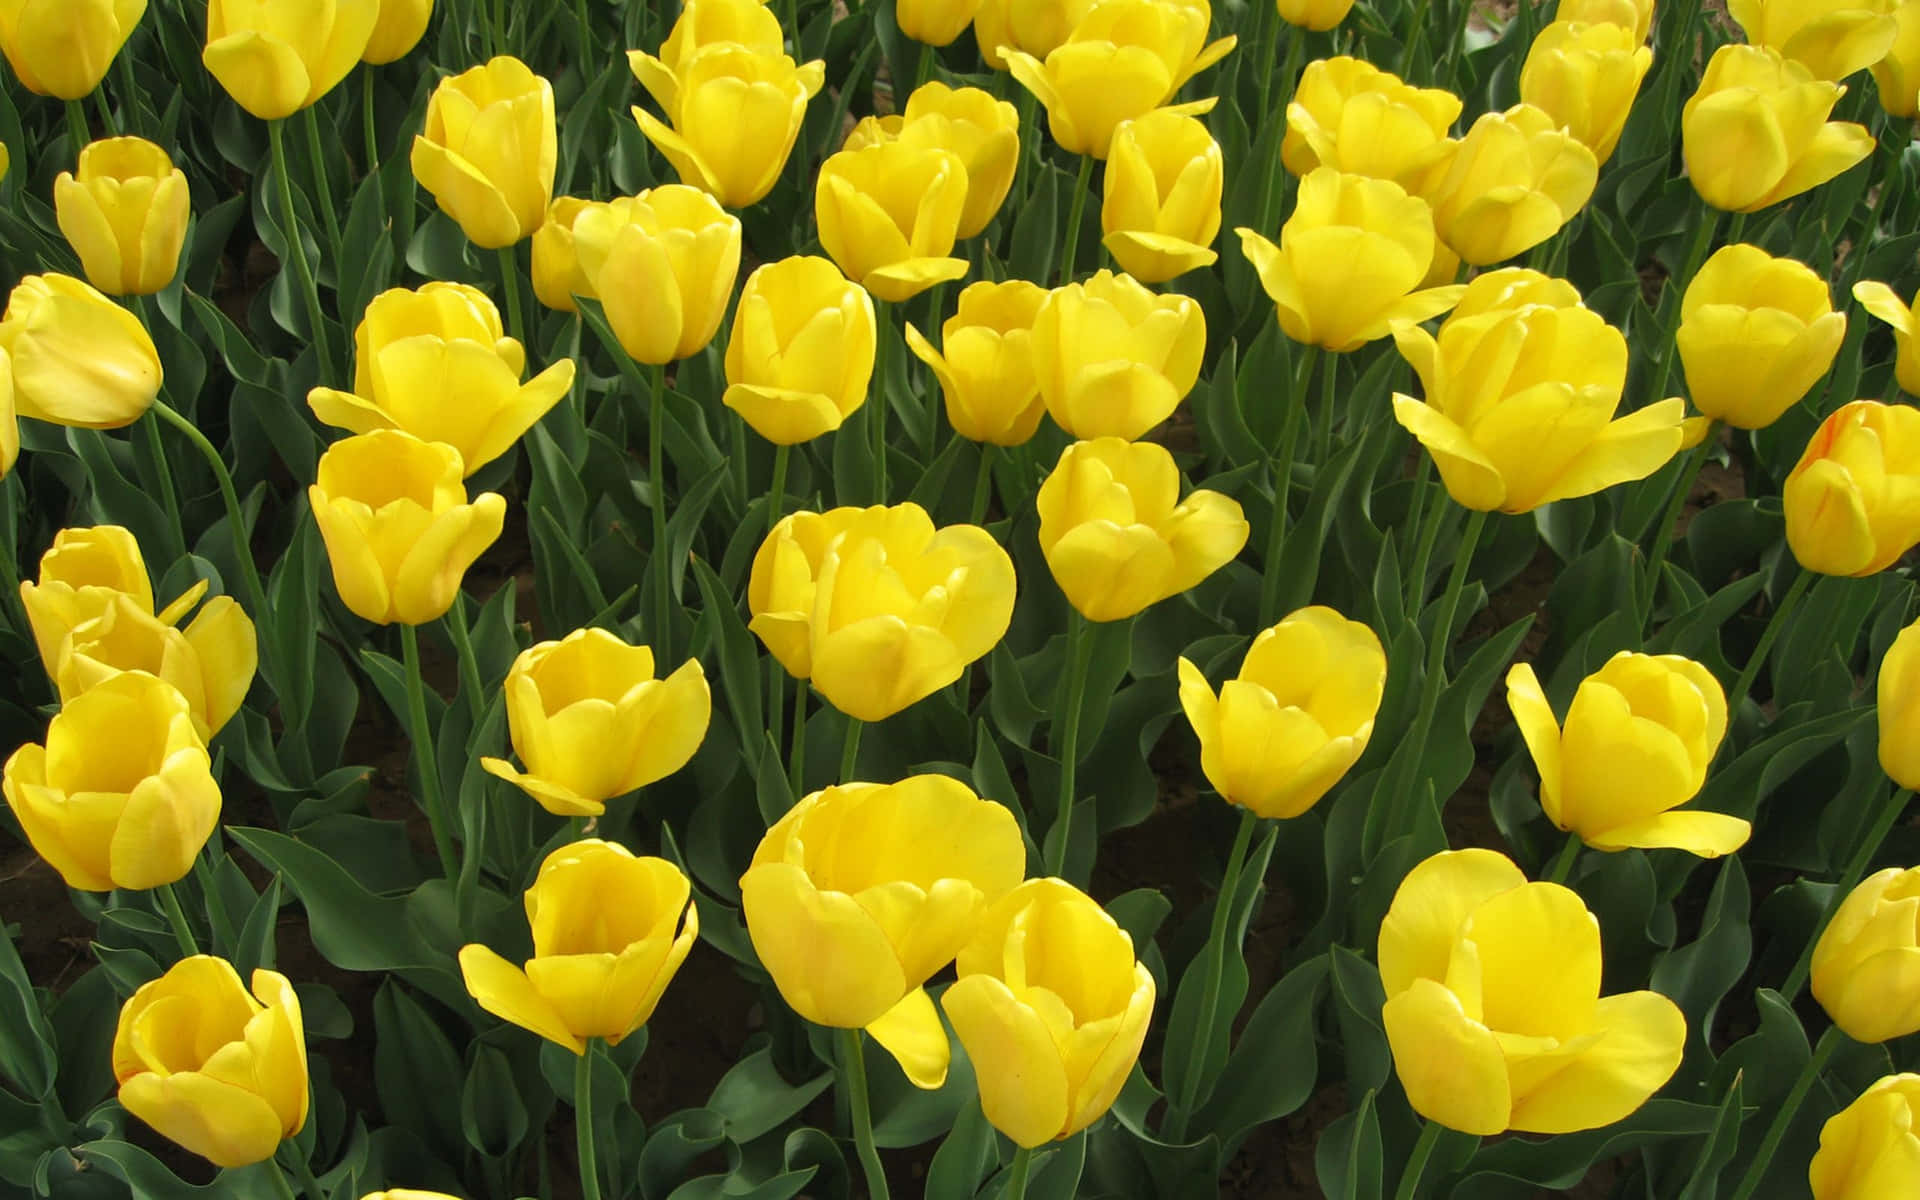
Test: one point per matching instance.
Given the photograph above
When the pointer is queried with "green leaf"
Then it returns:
(674, 1146)
(753, 1098)
(964, 1158)
(352, 928)
(27, 1048)
(1348, 1157)
(1274, 1065)
(492, 1115)
(414, 1069)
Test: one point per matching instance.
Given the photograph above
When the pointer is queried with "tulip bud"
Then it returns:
(1831, 38)
(62, 48)
(1517, 177)
(1636, 15)
(738, 115)
(80, 577)
(211, 662)
(1585, 77)
(1033, 27)
(802, 349)
(1316, 15)
(79, 359)
(1756, 333)
(935, 22)
(125, 215)
(489, 150)
(401, 25)
(1348, 114)
(1494, 1013)
(1879, 299)
(1851, 500)
(1161, 206)
(1898, 708)
(556, 270)
(702, 23)
(399, 529)
(1897, 76)
(1754, 133)
(609, 932)
(276, 59)
(1052, 1007)
(889, 214)
(1863, 963)
(986, 370)
(1870, 1149)
(1112, 358)
(983, 131)
(662, 265)
(219, 1072)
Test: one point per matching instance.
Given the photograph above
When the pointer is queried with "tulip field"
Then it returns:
(1026, 599)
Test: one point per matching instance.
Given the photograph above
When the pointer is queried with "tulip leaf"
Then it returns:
(754, 1099)
(1718, 1147)
(968, 1152)
(26, 1040)
(1348, 1158)
(905, 1115)
(1274, 1065)
(492, 1115)
(254, 945)
(1036, 228)
(415, 1066)
(88, 1006)
(1056, 1173)
(1358, 1001)
(147, 1177)
(1516, 1168)
(1696, 976)
(1767, 1061)
(674, 1146)
(352, 928)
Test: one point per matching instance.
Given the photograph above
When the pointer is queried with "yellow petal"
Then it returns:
(912, 1033)
(1451, 1067)
(504, 990)
(1643, 1034)
(1023, 1088)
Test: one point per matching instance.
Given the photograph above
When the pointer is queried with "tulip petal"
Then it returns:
(1633, 447)
(1881, 300)
(263, 74)
(1541, 731)
(1023, 1088)
(558, 800)
(1537, 950)
(1707, 834)
(1471, 479)
(221, 1123)
(505, 991)
(1880, 997)
(911, 1031)
(1432, 903)
(829, 958)
(1451, 1067)
(224, 640)
(464, 193)
(783, 416)
(1643, 1034)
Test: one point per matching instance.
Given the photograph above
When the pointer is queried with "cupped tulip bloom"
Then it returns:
(122, 793)
(1350, 262)
(399, 529)
(738, 115)
(1116, 534)
(81, 574)
(1586, 77)
(1114, 359)
(609, 932)
(1897, 76)
(1032, 27)
(888, 216)
(1871, 1148)
(985, 364)
(702, 23)
(1637, 743)
(62, 48)
(662, 265)
(982, 130)
(125, 215)
(1881, 301)
(1516, 179)
(1316, 15)
(556, 267)
(1755, 132)
(1295, 719)
(1510, 289)
(1052, 1007)
(1636, 15)
(218, 1071)
(1350, 115)
(401, 25)
(436, 362)
(1866, 965)
(1756, 333)
(935, 22)
(275, 59)
(489, 150)
(590, 722)
(211, 662)
(1897, 707)
(79, 359)
(1494, 1013)
(862, 891)
(1160, 208)
(877, 607)
(802, 350)
(1853, 500)
(1831, 39)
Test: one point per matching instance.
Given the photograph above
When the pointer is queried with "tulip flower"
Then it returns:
(747, 23)
(122, 793)
(1350, 262)
(80, 576)
(1585, 77)
(1853, 500)
(1033, 27)
(1510, 289)
(1897, 76)
(399, 529)
(1114, 536)
(62, 48)
(79, 359)
(982, 130)
(1052, 1007)
(1297, 716)
(935, 22)
(1494, 1013)
(1831, 39)
(1637, 743)
(1348, 114)
(1517, 177)
(401, 25)
(1636, 15)
(738, 114)
(211, 662)
(125, 215)
(875, 606)
(1755, 132)
(556, 268)
(489, 150)
(220, 1072)
(662, 265)
(888, 216)
(407, 1194)
(1161, 206)
(1871, 1148)
(871, 131)
(1881, 301)
(1898, 708)
(1316, 15)
(802, 350)
(862, 891)
(591, 722)
(10, 424)
(1863, 964)
(1112, 358)
(1756, 333)
(435, 362)
(985, 366)
(276, 59)
(609, 932)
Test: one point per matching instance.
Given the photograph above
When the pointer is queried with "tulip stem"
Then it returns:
(462, 635)
(1296, 412)
(297, 250)
(163, 472)
(177, 919)
(1071, 243)
(1675, 290)
(10, 602)
(1416, 1168)
(1434, 517)
(982, 485)
(797, 759)
(242, 542)
(281, 1187)
(1017, 1174)
(510, 288)
(1067, 749)
(368, 130)
(304, 1172)
(1274, 173)
(1563, 861)
(1856, 871)
(777, 494)
(1783, 1117)
(583, 1123)
(1663, 536)
(323, 186)
(657, 479)
(1769, 635)
(850, 750)
(77, 131)
(854, 1070)
(877, 402)
(423, 756)
(1216, 952)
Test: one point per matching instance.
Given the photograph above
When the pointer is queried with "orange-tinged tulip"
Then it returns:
(1161, 197)
(125, 215)
(735, 119)
(1831, 38)
(1114, 359)
(1755, 132)
(1348, 114)
(889, 213)
(1866, 965)
(662, 265)
(1585, 77)
(489, 150)
(63, 48)
(1853, 500)
(79, 359)
(985, 364)
(275, 59)
(1756, 333)
(1517, 177)
(802, 350)
(1880, 300)
(1871, 1148)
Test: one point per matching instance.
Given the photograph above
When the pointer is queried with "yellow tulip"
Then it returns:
(275, 59)
(871, 131)
(1866, 965)
(211, 662)
(985, 366)
(1317, 15)
(609, 932)
(1636, 15)
(125, 215)
(1871, 1148)
(9, 422)
(662, 265)
(1118, 538)
(1880, 300)
(220, 1072)
(122, 793)
(407, 1194)
(888, 215)
(80, 575)
(401, 25)
(1161, 205)
(435, 362)
(1297, 716)
(590, 722)
(1755, 133)
(79, 359)
(1112, 358)
(1052, 1007)
(935, 22)
(1585, 77)
(63, 48)
(556, 269)
(398, 527)
(875, 606)
(1350, 262)
(1897, 76)
(802, 349)
(1517, 177)
(1756, 333)
(489, 150)
(1853, 500)
(1831, 39)
(982, 130)
(703, 23)
(1348, 114)
(862, 891)
(1510, 289)
(738, 114)
(1494, 1013)
(1898, 708)
(1034, 27)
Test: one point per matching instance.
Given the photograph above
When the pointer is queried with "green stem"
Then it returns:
(1435, 516)
(777, 494)
(423, 755)
(776, 701)
(1296, 48)
(278, 1177)
(10, 602)
(1017, 1174)
(242, 544)
(1563, 862)
(877, 402)
(1414, 36)
(583, 1123)
(982, 485)
(177, 919)
(854, 1069)
(1416, 1167)
(1079, 648)
(297, 251)
(462, 635)
(850, 750)
(322, 186)
(130, 111)
(1082, 185)
(1856, 870)
(303, 1171)
(1283, 484)
(77, 131)
(1775, 624)
(169, 498)
(1323, 412)
(1675, 291)
(510, 287)
(1663, 536)
(1216, 952)
(797, 756)
(1750, 1182)
(369, 131)
(657, 477)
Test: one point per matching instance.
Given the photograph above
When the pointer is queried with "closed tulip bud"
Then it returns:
(1898, 708)
(702, 23)
(1052, 1007)
(1897, 76)
(1832, 40)
(1755, 133)
(1033, 27)
(1517, 177)
(935, 22)
(1350, 262)
(609, 932)
(985, 366)
(662, 265)
(80, 576)
(590, 722)
(1756, 333)
(877, 607)
(275, 59)
(1114, 359)
(79, 359)
(219, 1072)
(1866, 965)
(1636, 15)
(122, 794)
(399, 529)
(1114, 536)
(862, 891)
(1853, 500)
(1871, 1148)
(802, 349)
(1586, 77)
(211, 662)
(1297, 716)
(1494, 1013)
(889, 214)
(738, 114)
(401, 25)
(979, 128)
(488, 151)
(1881, 301)
(1317, 15)
(435, 362)
(63, 48)
(1161, 206)
(1350, 115)
(556, 270)
(125, 215)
